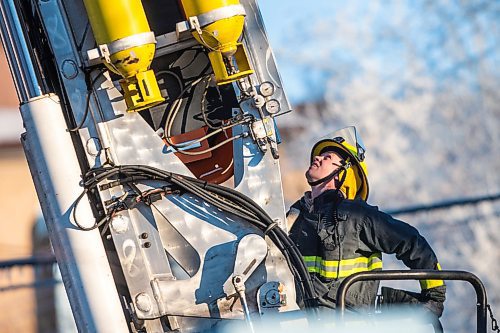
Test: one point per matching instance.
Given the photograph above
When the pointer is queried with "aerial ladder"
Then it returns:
(152, 142)
(135, 114)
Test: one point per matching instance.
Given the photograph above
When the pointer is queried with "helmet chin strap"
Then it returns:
(345, 166)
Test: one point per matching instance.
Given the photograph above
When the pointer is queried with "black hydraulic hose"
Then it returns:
(289, 246)
(187, 182)
(126, 180)
(298, 263)
(179, 181)
(95, 176)
(242, 198)
(278, 238)
(230, 197)
(234, 209)
(253, 206)
(212, 200)
(250, 204)
(234, 202)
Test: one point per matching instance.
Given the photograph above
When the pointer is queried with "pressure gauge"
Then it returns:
(266, 89)
(273, 106)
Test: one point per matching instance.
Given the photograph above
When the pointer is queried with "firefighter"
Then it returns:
(339, 234)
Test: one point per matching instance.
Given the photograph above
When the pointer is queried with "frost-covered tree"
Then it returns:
(420, 81)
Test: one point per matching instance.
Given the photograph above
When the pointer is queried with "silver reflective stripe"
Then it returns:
(220, 14)
(310, 264)
(131, 41)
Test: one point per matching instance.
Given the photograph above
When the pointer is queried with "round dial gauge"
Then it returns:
(266, 89)
(273, 106)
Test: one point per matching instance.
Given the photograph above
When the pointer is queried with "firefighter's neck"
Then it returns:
(318, 189)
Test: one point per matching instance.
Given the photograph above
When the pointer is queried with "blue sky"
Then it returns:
(314, 41)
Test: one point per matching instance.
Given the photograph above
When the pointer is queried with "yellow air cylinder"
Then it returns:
(125, 40)
(219, 25)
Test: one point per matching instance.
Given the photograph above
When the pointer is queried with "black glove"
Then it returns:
(397, 297)
(433, 299)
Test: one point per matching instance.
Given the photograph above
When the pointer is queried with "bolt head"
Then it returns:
(143, 302)
(259, 101)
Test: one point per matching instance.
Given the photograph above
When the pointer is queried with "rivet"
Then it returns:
(69, 69)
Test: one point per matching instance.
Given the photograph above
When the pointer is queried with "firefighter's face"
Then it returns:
(323, 165)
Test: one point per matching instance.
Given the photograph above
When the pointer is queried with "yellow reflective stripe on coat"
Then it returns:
(427, 284)
(330, 268)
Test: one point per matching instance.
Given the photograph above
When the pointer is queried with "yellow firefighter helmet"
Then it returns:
(347, 143)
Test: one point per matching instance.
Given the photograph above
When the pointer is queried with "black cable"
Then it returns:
(203, 193)
(222, 205)
(87, 101)
(96, 225)
(250, 204)
(187, 185)
(221, 197)
(77, 201)
(238, 211)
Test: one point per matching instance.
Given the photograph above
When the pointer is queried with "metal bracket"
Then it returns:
(263, 134)
(271, 295)
(195, 24)
(103, 52)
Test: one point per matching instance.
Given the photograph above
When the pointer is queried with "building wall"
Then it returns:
(18, 213)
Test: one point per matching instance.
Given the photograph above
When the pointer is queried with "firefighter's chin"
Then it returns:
(308, 176)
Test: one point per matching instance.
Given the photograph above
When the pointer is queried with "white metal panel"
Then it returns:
(80, 254)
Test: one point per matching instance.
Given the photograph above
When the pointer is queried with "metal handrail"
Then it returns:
(481, 318)
(30, 261)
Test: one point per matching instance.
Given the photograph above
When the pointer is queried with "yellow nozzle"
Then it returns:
(141, 91)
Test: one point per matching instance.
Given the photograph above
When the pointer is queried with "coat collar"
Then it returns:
(326, 198)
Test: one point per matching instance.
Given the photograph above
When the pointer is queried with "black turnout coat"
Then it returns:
(339, 237)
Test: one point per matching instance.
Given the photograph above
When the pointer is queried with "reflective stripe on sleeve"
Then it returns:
(427, 284)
